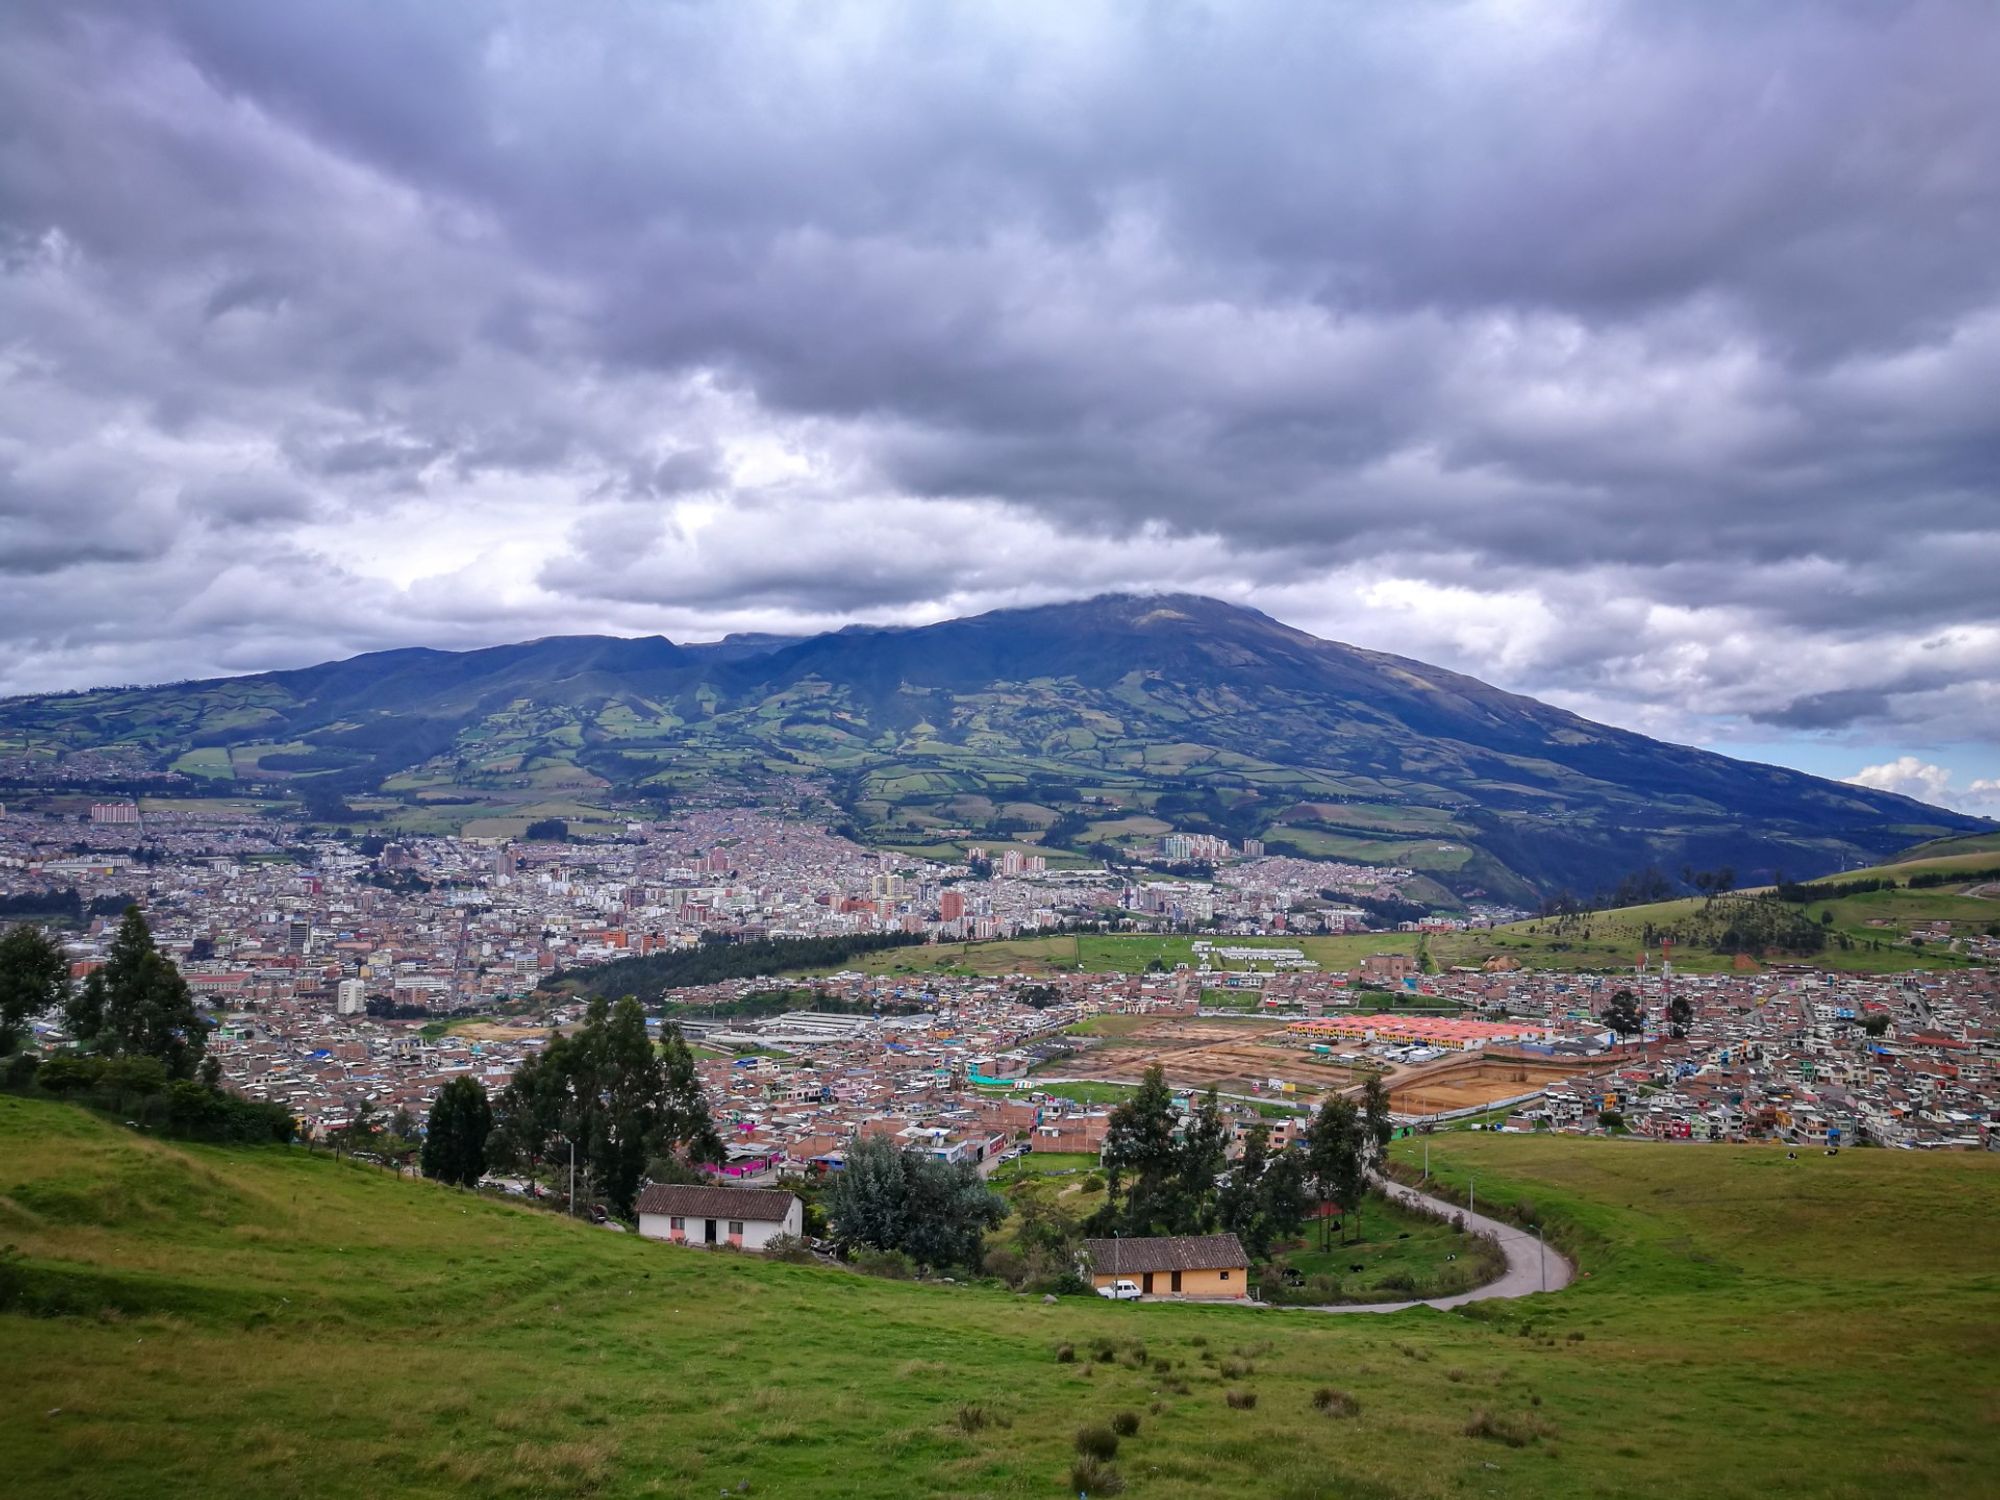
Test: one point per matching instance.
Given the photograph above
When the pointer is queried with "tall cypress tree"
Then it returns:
(455, 1137)
(147, 1006)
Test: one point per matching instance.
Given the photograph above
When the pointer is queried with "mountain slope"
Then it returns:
(1098, 722)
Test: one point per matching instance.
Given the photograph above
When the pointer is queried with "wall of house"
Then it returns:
(757, 1233)
(1233, 1282)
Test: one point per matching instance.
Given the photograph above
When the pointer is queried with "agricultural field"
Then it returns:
(259, 1321)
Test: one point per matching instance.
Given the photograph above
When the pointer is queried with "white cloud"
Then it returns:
(1932, 783)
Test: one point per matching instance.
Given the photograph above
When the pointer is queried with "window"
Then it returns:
(735, 1226)
(677, 1222)
(1225, 1275)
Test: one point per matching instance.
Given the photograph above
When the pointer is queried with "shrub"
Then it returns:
(1515, 1432)
(1093, 1476)
(891, 1264)
(1335, 1403)
(790, 1248)
(1097, 1441)
(1093, 1183)
(1241, 1400)
(1065, 1354)
(1236, 1369)
(1126, 1424)
(972, 1417)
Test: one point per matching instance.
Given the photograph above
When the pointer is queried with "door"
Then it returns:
(1177, 1282)
(708, 1231)
(1147, 1288)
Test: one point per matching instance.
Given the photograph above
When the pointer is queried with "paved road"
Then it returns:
(1527, 1270)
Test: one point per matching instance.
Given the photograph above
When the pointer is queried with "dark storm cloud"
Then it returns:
(1639, 354)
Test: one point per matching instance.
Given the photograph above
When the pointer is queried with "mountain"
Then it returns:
(1095, 723)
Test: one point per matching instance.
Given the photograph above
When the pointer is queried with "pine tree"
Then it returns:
(148, 1008)
(455, 1137)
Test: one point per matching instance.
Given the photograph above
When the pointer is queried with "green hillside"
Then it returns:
(193, 1321)
(1088, 727)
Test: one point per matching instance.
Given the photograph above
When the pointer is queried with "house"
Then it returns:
(1209, 1266)
(747, 1218)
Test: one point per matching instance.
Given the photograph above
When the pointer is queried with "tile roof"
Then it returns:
(762, 1204)
(1197, 1252)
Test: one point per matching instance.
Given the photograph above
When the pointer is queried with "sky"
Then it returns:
(1642, 358)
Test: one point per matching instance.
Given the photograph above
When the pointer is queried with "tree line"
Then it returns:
(647, 975)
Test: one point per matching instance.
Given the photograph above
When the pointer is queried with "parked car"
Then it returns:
(1121, 1291)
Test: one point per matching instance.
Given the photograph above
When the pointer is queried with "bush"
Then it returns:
(1241, 1400)
(972, 1417)
(1065, 1354)
(1097, 1441)
(1236, 1369)
(1335, 1403)
(790, 1248)
(1126, 1424)
(1093, 1476)
(892, 1265)
(1092, 1183)
(1515, 1432)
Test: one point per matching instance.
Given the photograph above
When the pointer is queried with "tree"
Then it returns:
(34, 977)
(1336, 1156)
(130, 1077)
(209, 1074)
(455, 1135)
(1265, 1199)
(1624, 1014)
(146, 1007)
(1199, 1159)
(85, 1011)
(1680, 1015)
(620, 1102)
(1378, 1129)
(1140, 1161)
(70, 1073)
(933, 1211)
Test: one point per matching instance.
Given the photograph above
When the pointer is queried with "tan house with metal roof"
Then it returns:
(1208, 1266)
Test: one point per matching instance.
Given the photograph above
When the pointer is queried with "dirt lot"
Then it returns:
(1466, 1083)
(1195, 1054)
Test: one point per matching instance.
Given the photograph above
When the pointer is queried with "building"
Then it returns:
(352, 997)
(114, 812)
(1208, 1266)
(746, 1218)
(951, 906)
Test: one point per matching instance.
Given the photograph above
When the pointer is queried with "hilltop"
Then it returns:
(189, 1320)
(1082, 727)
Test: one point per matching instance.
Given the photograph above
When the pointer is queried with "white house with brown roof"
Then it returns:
(746, 1218)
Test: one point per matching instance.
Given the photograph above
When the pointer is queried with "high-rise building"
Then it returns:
(951, 906)
(1010, 862)
(353, 997)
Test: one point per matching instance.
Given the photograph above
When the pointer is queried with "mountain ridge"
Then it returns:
(1098, 719)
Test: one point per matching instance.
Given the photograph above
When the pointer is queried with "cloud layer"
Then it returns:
(1640, 357)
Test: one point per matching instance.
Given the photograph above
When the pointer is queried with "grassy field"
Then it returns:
(264, 1322)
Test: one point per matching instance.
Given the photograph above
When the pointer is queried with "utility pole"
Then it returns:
(1472, 1195)
(1542, 1246)
(572, 1177)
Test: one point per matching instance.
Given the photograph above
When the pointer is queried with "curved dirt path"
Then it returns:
(1531, 1267)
